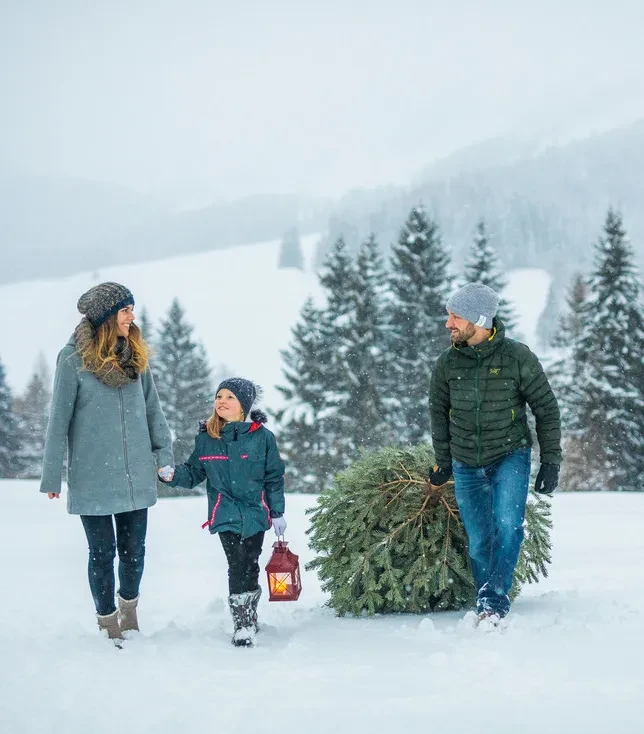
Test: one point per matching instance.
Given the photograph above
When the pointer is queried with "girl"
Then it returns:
(245, 483)
(105, 410)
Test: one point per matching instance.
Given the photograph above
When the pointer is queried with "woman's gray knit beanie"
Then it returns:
(103, 301)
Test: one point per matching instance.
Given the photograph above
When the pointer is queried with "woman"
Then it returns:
(106, 410)
(245, 483)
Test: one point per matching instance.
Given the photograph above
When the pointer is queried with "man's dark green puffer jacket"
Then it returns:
(478, 399)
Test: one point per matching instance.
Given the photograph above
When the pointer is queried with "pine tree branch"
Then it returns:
(445, 553)
(450, 510)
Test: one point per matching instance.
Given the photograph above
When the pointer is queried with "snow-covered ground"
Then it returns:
(570, 659)
(260, 305)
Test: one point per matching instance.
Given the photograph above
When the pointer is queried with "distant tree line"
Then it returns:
(357, 370)
(356, 374)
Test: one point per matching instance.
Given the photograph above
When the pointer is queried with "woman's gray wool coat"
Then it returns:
(113, 435)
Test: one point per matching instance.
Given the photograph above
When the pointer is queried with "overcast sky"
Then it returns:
(243, 97)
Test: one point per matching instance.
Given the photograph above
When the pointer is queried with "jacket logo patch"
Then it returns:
(495, 370)
(244, 456)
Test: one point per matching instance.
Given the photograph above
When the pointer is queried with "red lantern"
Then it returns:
(283, 572)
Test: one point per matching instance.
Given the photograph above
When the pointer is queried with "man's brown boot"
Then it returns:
(127, 614)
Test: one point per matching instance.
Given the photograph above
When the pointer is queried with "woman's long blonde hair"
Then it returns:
(99, 354)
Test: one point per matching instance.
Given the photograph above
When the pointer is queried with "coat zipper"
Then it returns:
(241, 537)
(127, 468)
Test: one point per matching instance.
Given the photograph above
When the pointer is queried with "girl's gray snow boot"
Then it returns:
(254, 601)
(243, 613)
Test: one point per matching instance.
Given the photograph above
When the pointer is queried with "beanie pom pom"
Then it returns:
(257, 416)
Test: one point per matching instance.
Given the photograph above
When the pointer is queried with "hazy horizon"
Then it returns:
(201, 99)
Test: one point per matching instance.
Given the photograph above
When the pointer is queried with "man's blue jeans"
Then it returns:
(492, 501)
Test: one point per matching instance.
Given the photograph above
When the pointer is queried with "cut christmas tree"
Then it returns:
(386, 542)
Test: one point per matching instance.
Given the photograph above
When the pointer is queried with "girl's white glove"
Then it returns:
(166, 473)
(279, 525)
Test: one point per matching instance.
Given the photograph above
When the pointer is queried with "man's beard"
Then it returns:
(461, 336)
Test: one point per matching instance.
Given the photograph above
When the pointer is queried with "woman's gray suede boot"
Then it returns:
(110, 623)
(127, 614)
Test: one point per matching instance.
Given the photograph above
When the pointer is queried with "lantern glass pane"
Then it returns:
(281, 583)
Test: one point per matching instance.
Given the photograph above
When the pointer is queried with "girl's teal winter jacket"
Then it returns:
(245, 477)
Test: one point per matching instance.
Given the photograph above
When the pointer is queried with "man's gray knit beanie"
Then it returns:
(103, 301)
(475, 302)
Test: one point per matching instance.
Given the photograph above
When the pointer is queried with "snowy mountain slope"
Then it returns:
(569, 660)
(260, 304)
(527, 290)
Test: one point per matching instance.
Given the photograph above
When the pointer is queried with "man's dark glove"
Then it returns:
(439, 476)
(547, 479)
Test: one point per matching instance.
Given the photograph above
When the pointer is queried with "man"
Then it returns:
(479, 390)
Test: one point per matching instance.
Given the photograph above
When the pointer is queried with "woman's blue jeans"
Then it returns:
(131, 528)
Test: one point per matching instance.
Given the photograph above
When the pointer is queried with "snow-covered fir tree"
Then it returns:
(32, 414)
(291, 255)
(564, 369)
(482, 266)
(340, 227)
(338, 280)
(571, 320)
(548, 323)
(144, 323)
(337, 277)
(419, 284)
(183, 379)
(304, 441)
(366, 367)
(334, 370)
(607, 426)
(9, 431)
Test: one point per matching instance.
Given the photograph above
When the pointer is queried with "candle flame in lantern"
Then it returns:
(280, 583)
